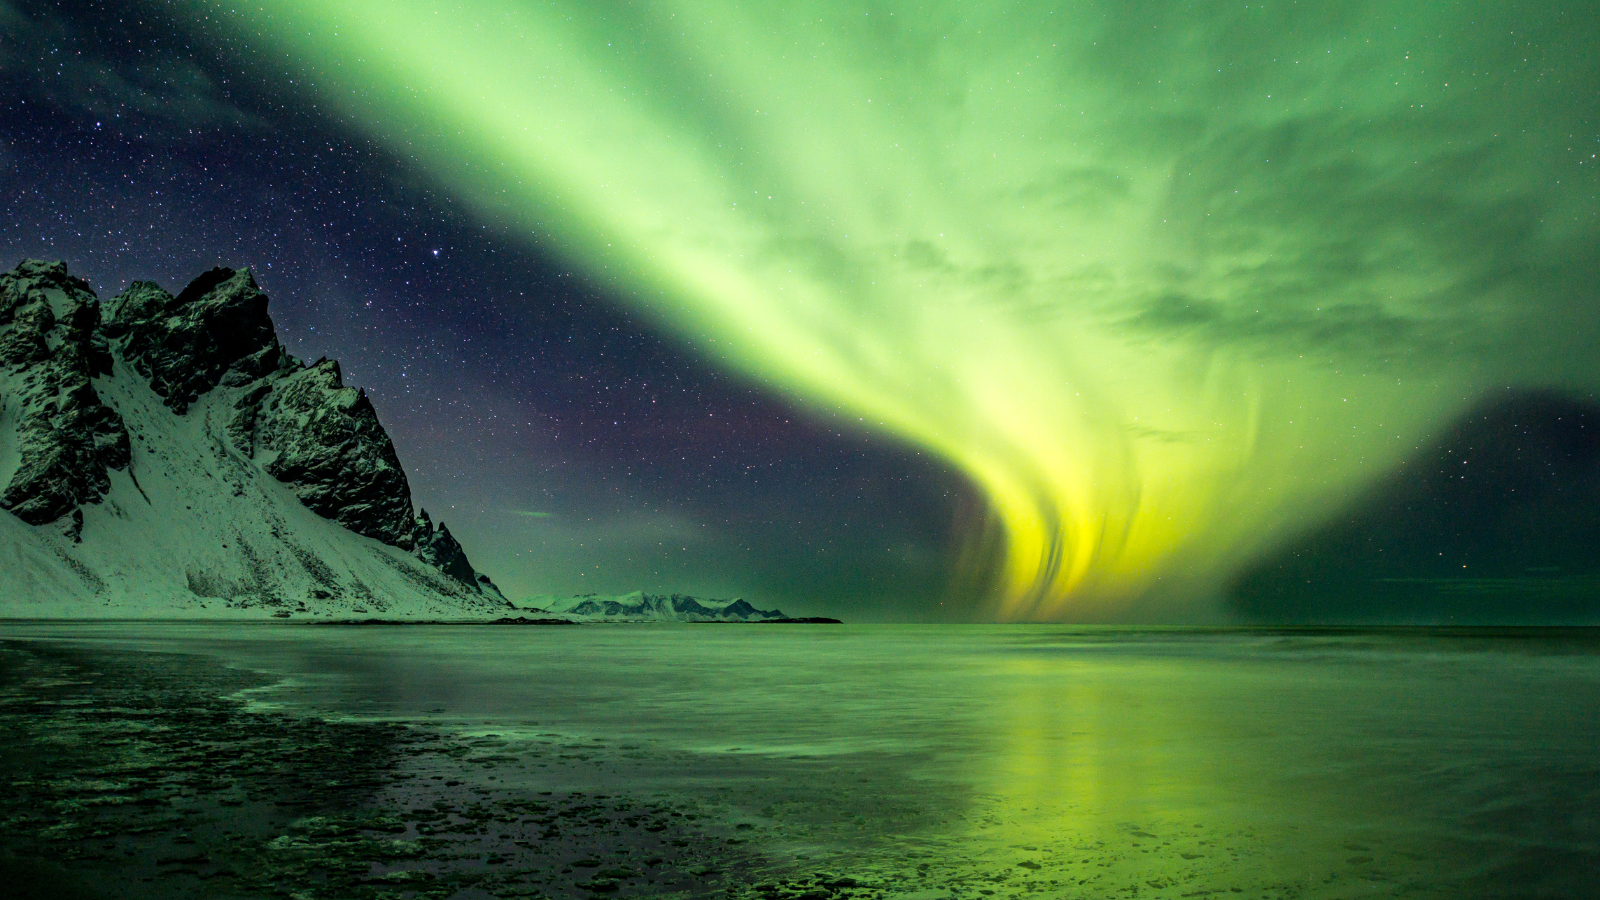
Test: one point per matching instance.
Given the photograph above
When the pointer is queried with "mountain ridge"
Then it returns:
(640, 606)
(164, 454)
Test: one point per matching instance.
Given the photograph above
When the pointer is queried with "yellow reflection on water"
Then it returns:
(1116, 777)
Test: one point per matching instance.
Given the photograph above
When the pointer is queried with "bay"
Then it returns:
(976, 761)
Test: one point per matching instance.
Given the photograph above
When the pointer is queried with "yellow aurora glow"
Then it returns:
(1166, 285)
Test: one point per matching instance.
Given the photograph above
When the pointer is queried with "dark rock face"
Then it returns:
(323, 440)
(803, 620)
(738, 609)
(742, 609)
(185, 344)
(438, 548)
(66, 438)
(299, 423)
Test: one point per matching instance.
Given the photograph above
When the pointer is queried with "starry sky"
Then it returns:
(941, 311)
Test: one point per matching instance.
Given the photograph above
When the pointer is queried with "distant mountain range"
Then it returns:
(163, 455)
(641, 607)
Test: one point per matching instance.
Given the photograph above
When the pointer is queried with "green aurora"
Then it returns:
(1169, 282)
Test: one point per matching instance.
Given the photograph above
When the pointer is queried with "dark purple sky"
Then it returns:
(510, 384)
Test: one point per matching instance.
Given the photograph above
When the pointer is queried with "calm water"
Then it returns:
(1086, 762)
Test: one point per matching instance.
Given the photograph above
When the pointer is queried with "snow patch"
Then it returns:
(642, 607)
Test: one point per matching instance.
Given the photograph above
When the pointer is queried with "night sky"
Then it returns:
(928, 312)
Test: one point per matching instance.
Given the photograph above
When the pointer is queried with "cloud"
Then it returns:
(1351, 330)
(13, 26)
(181, 94)
(1327, 232)
(1078, 189)
(58, 64)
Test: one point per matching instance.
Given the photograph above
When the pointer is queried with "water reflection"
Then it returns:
(1023, 759)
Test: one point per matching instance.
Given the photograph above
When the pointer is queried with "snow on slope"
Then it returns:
(641, 607)
(193, 528)
(194, 525)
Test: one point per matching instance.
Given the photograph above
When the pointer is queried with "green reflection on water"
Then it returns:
(1024, 760)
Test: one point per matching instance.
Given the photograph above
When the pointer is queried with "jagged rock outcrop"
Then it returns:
(209, 352)
(438, 548)
(65, 438)
(323, 439)
(185, 344)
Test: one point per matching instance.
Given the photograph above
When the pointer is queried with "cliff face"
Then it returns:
(185, 345)
(66, 438)
(105, 406)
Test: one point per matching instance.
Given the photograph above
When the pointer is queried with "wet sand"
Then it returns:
(149, 760)
(149, 775)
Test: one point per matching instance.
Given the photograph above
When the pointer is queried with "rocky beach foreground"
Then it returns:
(141, 775)
(227, 760)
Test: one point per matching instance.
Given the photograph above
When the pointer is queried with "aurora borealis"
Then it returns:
(1166, 283)
(974, 448)
(953, 311)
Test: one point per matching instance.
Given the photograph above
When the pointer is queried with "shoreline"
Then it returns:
(520, 620)
(141, 775)
(503, 620)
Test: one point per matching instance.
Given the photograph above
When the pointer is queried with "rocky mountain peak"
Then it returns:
(65, 436)
(324, 440)
(185, 344)
(437, 547)
(215, 343)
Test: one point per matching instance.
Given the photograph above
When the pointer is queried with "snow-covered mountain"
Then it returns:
(163, 455)
(641, 607)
